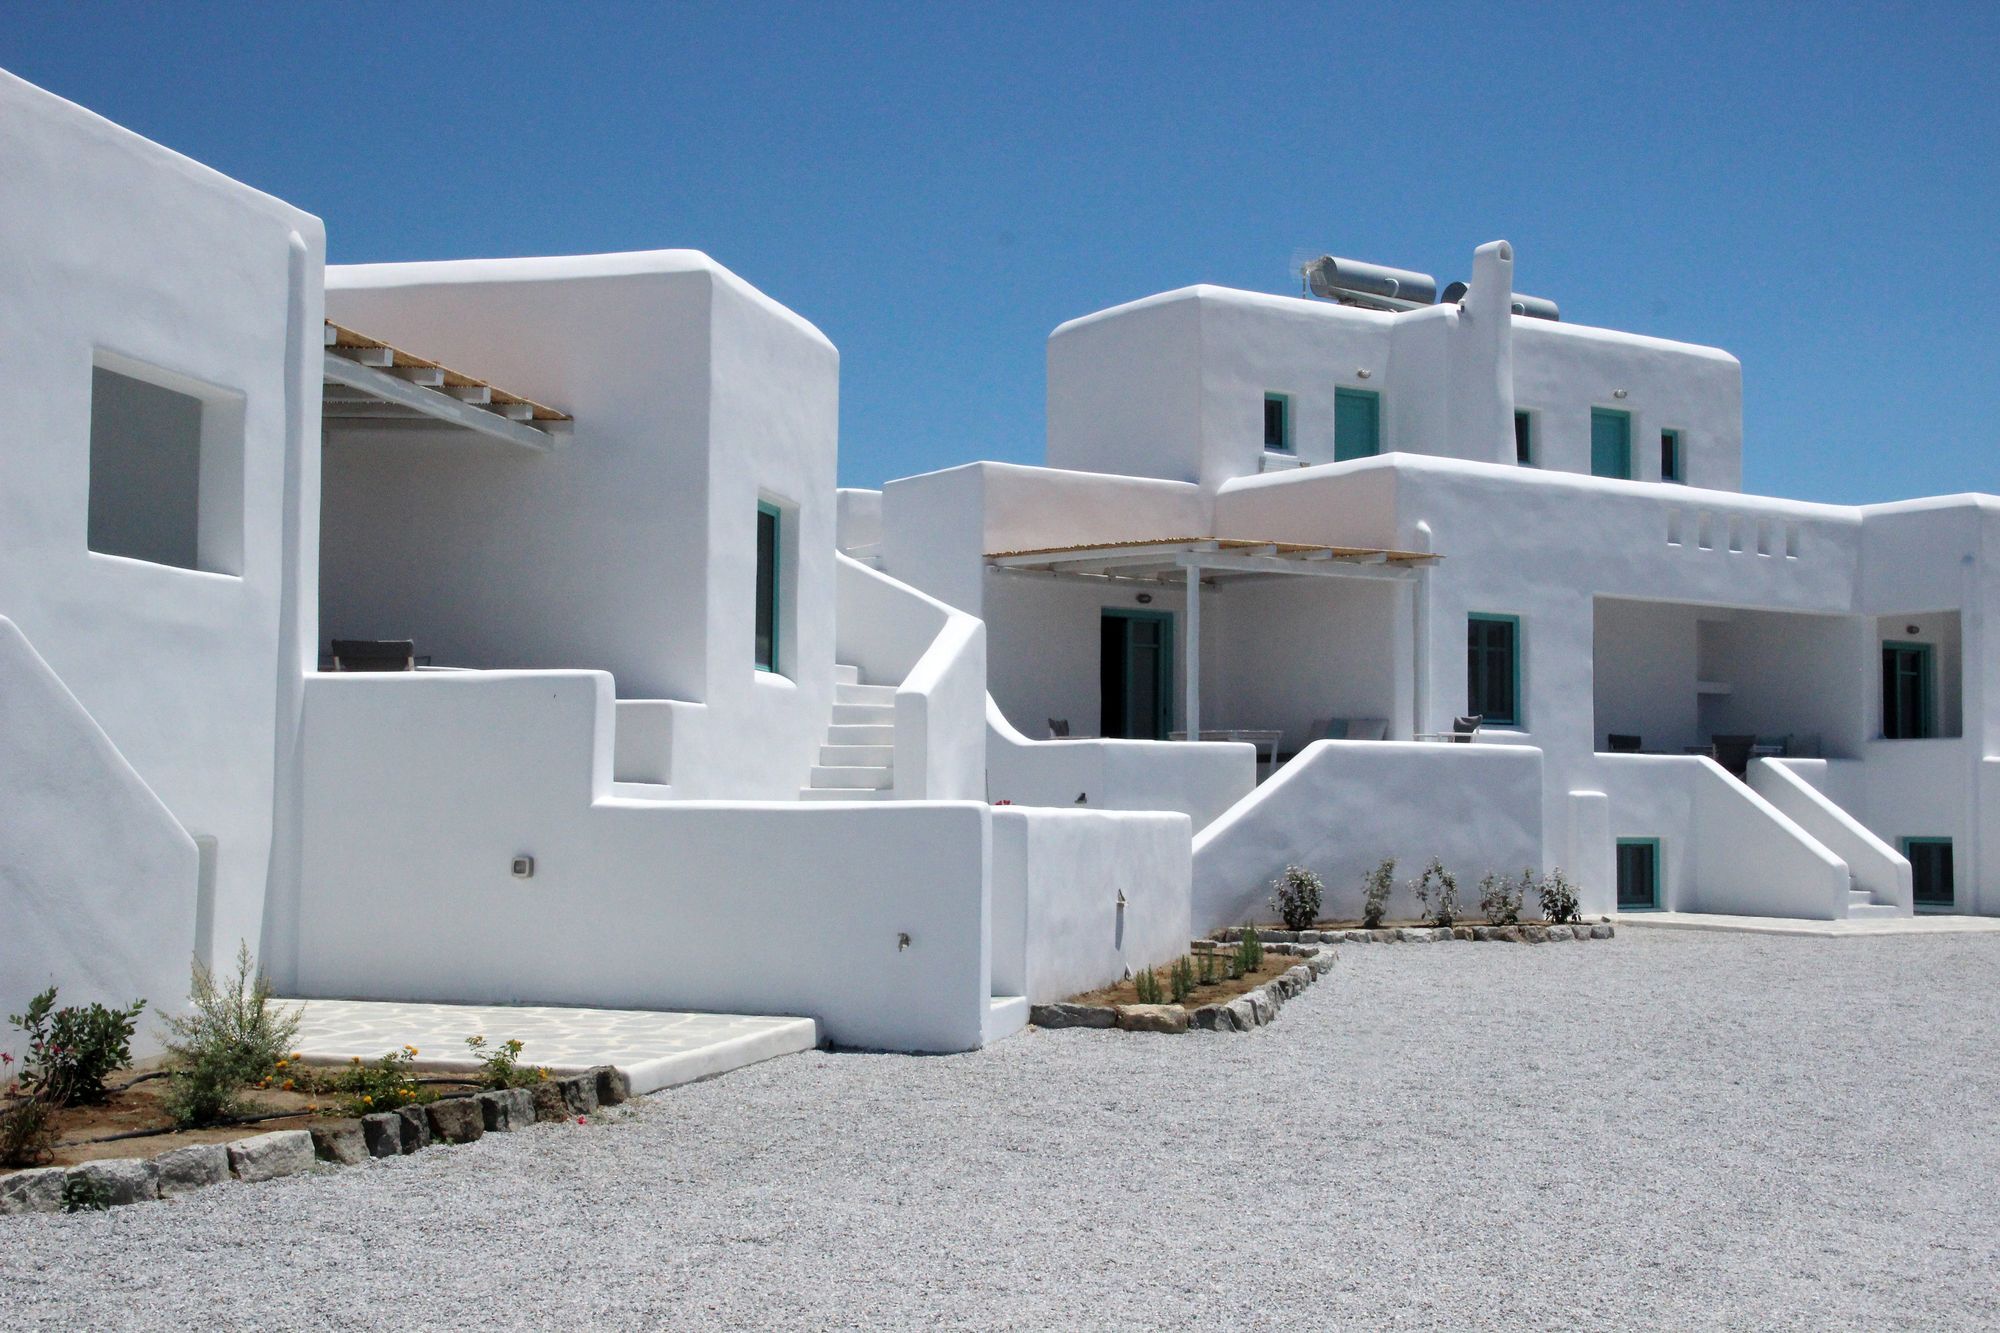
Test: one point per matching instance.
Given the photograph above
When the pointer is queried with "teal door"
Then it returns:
(1136, 674)
(1610, 443)
(1357, 424)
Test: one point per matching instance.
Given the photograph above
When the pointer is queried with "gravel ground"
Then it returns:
(1666, 1130)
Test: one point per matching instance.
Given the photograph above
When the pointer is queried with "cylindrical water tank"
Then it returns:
(1335, 278)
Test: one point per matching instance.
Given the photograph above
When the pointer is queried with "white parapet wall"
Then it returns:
(98, 881)
(422, 788)
(1200, 779)
(1341, 807)
(1081, 898)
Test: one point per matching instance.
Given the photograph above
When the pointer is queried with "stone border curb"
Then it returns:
(1528, 932)
(1252, 1009)
(288, 1152)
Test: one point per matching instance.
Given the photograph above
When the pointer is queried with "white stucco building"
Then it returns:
(655, 716)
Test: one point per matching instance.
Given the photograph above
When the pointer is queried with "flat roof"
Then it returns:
(1162, 558)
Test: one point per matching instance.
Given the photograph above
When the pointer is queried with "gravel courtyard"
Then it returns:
(1664, 1130)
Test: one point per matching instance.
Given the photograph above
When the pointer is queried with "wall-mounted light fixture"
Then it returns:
(1363, 373)
(1618, 393)
(902, 940)
(524, 867)
(1145, 599)
(1911, 629)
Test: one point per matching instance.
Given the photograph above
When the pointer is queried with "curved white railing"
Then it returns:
(937, 656)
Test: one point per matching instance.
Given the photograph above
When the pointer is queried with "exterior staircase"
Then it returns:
(857, 763)
(1861, 904)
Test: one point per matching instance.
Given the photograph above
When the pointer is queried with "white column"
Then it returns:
(1191, 711)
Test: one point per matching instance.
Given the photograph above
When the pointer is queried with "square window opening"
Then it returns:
(166, 468)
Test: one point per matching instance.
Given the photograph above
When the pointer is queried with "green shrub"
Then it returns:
(1147, 986)
(1376, 887)
(28, 1127)
(82, 1194)
(1500, 899)
(501, 1067)
(380, 1085)
(230, 1038)
(1206, 960)
(71, 1050)
(1249, 951)
(1181, 978)
(1437, 890)
(1296, 895)
(1558, 897)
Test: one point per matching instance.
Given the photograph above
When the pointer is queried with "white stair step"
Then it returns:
(865, 694)
(880, 715)
(857, 756)
(1860, 898)
(845, 794)
(1005, 1015)
(1871, 911)
(863, 734)
(824, 775)
(846, 675)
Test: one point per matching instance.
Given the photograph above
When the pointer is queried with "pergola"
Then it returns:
(370, 382)
(1195, 561)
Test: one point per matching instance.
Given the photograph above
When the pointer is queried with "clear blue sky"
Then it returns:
(1813, 187)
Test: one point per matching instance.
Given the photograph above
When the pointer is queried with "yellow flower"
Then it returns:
(411, 1049)
(281, 1064)
(355, 1058)
(367, 1100)
(288, 1085)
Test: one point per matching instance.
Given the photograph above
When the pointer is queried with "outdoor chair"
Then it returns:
(1463, 729)
(1623, 744)
(1058, 728)
(1733, 753)
(374, 655)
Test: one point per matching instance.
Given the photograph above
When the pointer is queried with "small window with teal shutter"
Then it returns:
(1278, 422)
(1357, 424)
(1672, 464)
(1610, 443)
(1493, 668)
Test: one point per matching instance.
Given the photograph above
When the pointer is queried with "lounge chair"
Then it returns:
(374, 655)
(1463, 729)
(1623, 744)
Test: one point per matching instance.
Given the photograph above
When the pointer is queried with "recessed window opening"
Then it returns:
(1671, 462)
(166, 468)
(1736, 532)
(1673, 527)
(770, 587)
(1704, 536)
(1524, 439)
(1638, 874)
(1930, 873)
(1493, 668)
(1763, 536)
(1791, 541)
(1278, 422)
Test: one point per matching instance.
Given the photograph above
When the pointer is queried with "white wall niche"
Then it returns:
(166, 467)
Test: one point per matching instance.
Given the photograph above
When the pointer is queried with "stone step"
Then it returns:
(824, 775)
(861, 734)
(845, 794)
(865, 694)
(857, 756)
(1872, 912)
(846, 675)
(880, 715)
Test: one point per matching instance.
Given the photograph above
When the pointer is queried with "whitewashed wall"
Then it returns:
(112, 247)
(1198, 779)
(632, 548)
(98, 881)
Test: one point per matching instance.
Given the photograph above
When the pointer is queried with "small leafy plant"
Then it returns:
(383, 1084)
(1558, 897)
(1249, 952)
(1296, 894)
(81, 1194)
(1146, 983)
(1205, 960)
(1376, 887)
(1180, 978)
(28, 1126)
(1437, 890)
(1500, 899)
(230, 1038)
(501, 1067)
(71, 1050)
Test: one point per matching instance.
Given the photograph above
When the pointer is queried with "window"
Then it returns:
(1930, 872)
(768, 602)
(1357, 424)
(1278, 422)
(1524, 439)
(166, 469)
(1638, 874)
(1610, 443)
(1908, 712)
(1670, 456)
(1493, 675)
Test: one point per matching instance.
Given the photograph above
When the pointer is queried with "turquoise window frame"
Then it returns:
(1926, 687)
(1166, 619)
(1343, 450)
(1624, 419)
(1931, 905)
(775, 577)
(1524, 438)
(1513, 717)
(1284, 402)
(1673, 458)
(1659, 876)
